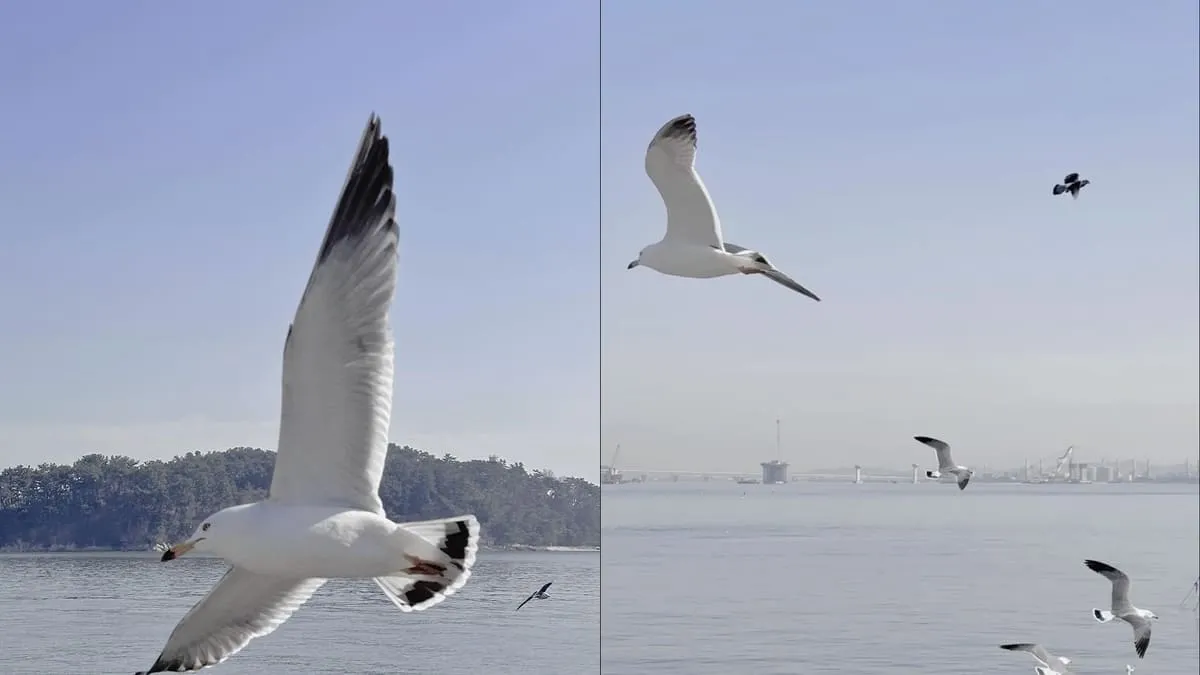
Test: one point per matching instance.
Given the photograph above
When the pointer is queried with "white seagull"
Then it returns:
(1122, 609)
(1129, 669)
(693, 246)
(1048, 664)
(323, 517)
(945, 462)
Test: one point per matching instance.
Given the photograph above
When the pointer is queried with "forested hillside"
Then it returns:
(119, 503)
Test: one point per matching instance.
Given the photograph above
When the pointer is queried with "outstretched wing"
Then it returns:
(543, 589)
(242, 606)
(526, 600)
(1141, 634)
(1120, 584)
(1039, 652)
(670, 163)
(338, 359)
(775, 275)
(941, 448)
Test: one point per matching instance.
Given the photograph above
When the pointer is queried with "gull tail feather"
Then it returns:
(437, 558)
(933, 474)
(1102, 616)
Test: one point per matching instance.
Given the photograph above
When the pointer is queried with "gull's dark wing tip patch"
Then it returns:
(367, 200)
(680, 128)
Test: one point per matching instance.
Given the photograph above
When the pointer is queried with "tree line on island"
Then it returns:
(118, 503)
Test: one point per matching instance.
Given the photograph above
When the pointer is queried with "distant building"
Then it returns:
(774, 471)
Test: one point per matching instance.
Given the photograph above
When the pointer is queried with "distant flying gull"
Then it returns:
(1048, 664)
(1129, 669)
(539, 594)
(1193, 592)
(1122, 609)
(323, 518)
(945, 462)
(1071, 184)
(693, 246)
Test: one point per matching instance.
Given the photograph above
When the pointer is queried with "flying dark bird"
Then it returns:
(540, 594)
(1122, 609)
(1071, 184)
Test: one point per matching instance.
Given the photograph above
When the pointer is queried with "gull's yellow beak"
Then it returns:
(178, 550)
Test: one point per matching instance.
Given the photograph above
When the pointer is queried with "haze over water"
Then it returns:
(112, 612)
(889, 579)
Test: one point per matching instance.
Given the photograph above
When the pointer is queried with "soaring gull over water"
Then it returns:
(693, 246)
(946, 462)
(1122, 608)
(323, 518)
(539, 594)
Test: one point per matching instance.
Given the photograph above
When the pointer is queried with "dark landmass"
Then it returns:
(118, 503)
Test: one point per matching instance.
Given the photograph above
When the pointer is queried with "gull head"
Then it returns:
(207, 537)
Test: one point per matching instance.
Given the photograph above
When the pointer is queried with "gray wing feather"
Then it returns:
(941, 448)
(1120, 584)
(1039, 652)
(1141, 634)
(774, 274)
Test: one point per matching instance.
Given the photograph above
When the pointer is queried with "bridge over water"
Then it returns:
(676, 474)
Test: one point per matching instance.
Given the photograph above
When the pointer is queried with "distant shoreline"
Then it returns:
(508, 548)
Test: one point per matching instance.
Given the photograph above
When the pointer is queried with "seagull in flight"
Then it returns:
(1122, 609)
(539, 594)
(322, 517)
(1048, 664)
(693, 246)
(945, 462)
(1072, 185)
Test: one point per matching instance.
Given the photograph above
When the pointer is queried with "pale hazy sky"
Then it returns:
(897, 159)
(166, 174)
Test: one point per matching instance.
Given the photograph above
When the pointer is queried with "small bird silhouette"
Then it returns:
(1071, 184)
(539, 594)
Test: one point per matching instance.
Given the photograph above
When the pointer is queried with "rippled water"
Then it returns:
(111, 613)
(894, 579)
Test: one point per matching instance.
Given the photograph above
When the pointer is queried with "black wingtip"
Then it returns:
(683, 127)
(1141, 646)
(925, 439)
(366, 200)
(1015, 646)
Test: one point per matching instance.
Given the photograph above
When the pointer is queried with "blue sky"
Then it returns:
(166, 173)
(897, 159)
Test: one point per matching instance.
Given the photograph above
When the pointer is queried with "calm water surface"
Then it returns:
(890, 579)
(111, 613)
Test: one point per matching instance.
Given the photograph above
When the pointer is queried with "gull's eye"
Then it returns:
(204, 527)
